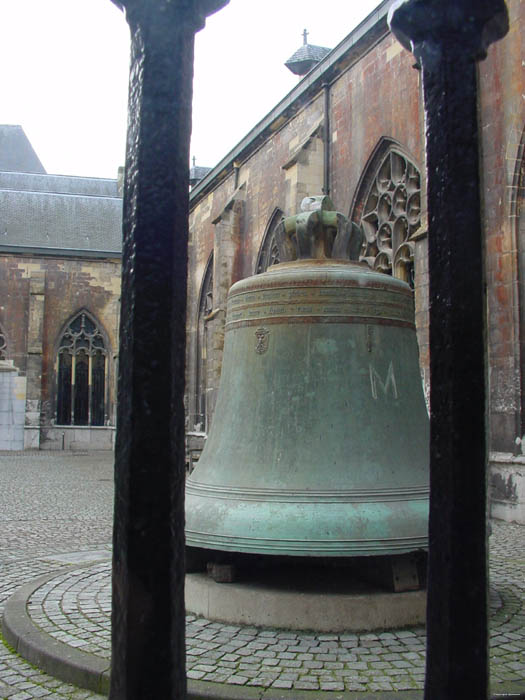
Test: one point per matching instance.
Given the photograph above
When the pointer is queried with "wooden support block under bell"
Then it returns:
(196, 560)
(222, 573)
(404, 573)
(399, 573)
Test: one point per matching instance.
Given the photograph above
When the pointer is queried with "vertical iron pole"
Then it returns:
(447, 37)
(148, 618)
(456, 662)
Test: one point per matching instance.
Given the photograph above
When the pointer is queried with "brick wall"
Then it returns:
(40, 295)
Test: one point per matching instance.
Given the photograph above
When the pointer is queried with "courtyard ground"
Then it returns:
(55, 549)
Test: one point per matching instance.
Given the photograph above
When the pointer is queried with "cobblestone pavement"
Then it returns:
(58, 512)
(50, 503)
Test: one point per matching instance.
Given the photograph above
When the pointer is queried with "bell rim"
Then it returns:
(308, 548)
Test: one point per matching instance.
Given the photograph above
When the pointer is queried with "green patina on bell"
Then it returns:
(319, 443)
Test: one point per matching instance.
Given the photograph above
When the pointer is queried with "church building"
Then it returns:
(60, 251)
(352, 129)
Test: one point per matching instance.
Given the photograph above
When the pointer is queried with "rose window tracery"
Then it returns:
(391, 215)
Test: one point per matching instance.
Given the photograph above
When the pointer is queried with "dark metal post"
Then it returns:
(447, 37)
(148, 630)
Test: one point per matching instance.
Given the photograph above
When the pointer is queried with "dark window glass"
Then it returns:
(97, 389)
(64, 389)
(205, 308)
(269, 253)
(81, 410)
(81, 396)
(3, 346)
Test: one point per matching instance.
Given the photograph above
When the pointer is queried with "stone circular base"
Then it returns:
(272, 604)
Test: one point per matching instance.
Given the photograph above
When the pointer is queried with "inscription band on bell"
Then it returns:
(317, 306)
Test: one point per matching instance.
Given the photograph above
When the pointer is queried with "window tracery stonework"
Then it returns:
(81, 374)
(200, 418)
(3, 346)
(269, 253)
(391, 216)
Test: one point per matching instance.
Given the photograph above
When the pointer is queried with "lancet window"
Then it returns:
(517, 203)
(3, 345)
(82, 373)
(269, 253)
(391, 216)
(205, 309)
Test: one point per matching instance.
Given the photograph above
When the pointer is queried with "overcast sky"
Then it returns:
(64, 71)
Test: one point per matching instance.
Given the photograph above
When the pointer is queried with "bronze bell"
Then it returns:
(319, 443)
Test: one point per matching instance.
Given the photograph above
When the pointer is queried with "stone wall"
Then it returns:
(41, 295)
(12, 407)
(502, 84)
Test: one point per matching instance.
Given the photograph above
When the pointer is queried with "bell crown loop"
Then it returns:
(318, 232)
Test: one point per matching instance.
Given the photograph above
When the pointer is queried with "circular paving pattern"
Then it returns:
(48, 523)
(74, 608)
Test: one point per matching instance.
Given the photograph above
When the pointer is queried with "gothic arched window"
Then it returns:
(391, 214)
(205, 309)
(82, 368)
(517, 207)
(3, 345)
(269, 253)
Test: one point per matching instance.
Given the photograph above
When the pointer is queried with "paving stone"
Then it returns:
(289, 676)
(380, 686)
(216, 677)
(270, 662)
(357, 687)
(261, 682)
(331, 685)
(357, 665)
(195, 675)
(306, 685)
(282, 684)
(238, 680)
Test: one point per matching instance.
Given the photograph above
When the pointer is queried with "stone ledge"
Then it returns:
(50, 655)
(506, 458)
(269, 606)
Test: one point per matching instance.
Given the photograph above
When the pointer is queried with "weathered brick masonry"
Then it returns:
(41, 294)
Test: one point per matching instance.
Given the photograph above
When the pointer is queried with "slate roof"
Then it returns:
(16, 152)
(197, 172)
(305, 58)
(59, 184)
(65, 215)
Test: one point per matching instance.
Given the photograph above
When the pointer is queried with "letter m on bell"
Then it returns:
(379, 386)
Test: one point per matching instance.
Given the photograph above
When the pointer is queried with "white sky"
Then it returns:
(64, 73)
